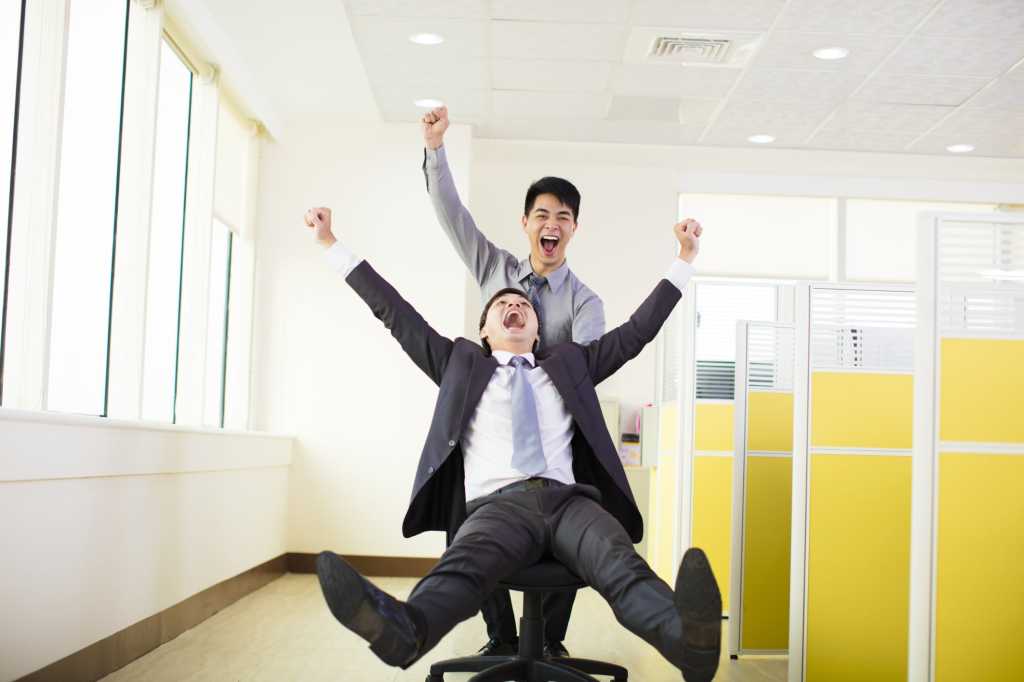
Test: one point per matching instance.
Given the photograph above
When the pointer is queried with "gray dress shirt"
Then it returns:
(569, 310)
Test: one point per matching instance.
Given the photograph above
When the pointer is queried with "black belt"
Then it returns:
(528, 484)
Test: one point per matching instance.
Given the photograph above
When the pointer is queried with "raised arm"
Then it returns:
(610, 352)
(428, 349)
(475, 250)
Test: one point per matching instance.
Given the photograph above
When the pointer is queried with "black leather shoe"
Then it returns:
(497, 647)
(700, 608)
(555, 650)
(374, 615)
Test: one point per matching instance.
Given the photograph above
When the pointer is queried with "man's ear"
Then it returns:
(523, 222)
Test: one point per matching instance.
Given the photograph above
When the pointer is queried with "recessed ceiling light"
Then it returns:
(426, 38)
(831, 53)
(429, 103)
(761, 139)
(960, 148)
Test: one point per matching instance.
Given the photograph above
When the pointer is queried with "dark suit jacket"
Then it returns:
(463, 369)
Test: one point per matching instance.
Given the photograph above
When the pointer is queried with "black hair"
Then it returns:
(487, 308)
(562, 189)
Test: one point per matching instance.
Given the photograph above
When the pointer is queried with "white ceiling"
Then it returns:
(921, 74)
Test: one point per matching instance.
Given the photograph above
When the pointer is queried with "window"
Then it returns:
(166, 232)
(217, 323)
(763, 236)
(10, 49)
(87, 190)
(719, 308)
(881, 236)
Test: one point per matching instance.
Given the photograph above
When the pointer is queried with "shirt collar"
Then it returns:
(555, 280)
(504, 357)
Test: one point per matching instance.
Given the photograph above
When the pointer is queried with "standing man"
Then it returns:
(567, 310)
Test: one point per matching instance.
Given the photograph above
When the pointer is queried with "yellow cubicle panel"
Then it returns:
(713, 426)
(712, 515)
(766, 543)
(982, 390)
(663, 529)
(980, 568)
(862, 410)
(770, 421)
(711, 526)
(858, 568)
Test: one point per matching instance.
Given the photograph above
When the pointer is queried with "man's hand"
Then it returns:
(435, 123)
(319, 219)
(688, 233)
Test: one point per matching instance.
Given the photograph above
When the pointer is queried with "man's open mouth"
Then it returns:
(548, 244)
(514, 320)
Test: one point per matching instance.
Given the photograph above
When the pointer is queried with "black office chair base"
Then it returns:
(530, 664)
(505, 668)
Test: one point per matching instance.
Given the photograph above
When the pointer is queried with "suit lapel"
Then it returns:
(556, 370)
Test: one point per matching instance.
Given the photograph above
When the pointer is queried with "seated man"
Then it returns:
(518, 462)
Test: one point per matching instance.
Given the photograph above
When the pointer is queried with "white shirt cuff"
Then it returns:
(679, 273)
(341, 260)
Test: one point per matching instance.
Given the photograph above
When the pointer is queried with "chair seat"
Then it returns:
(546, 575)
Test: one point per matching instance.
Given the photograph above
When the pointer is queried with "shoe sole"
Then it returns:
(342, 587)
(699, 603)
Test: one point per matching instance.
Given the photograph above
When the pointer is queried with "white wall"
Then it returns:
(630, 199)
(325, 368)
(105, 523)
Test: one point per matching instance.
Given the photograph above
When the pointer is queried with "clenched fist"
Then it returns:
(435, 123)
(688, 233)
(319, 219)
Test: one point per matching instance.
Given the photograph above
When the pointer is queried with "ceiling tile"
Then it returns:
(670, 80)
(543, 105)
(454, 9)
(767, 116)
(859, 116)
(697, 111)
(425, 75)
(862, 140)
(532, 40)
(631, 132)
(737, 136)
(982, 123)
(974, 19)
(390, 36)
(630, 108)
(789, 50)
(556, 75)
(571, 11)
(397, 104)
(738, 15)
(1005, 93)
(988, 145)
(949, 57)
(909, 89)
(767, 84)
(871, 17)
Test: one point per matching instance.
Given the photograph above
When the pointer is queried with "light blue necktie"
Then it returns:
(527, 452)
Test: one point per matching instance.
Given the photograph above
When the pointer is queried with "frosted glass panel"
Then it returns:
(83, 255)
(763, 236)
(880, 236)
(163, 291)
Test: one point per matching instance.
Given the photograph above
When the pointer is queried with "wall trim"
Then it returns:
(121, 648)
(390, 566)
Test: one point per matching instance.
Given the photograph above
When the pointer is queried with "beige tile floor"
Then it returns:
(285, 632)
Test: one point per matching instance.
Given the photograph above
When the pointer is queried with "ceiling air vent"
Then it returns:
(690, 50)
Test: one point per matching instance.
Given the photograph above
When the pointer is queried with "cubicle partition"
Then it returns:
(853, 421)
(762, 483)
(967, 604)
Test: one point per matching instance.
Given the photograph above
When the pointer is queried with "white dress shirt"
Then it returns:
(487, 440)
